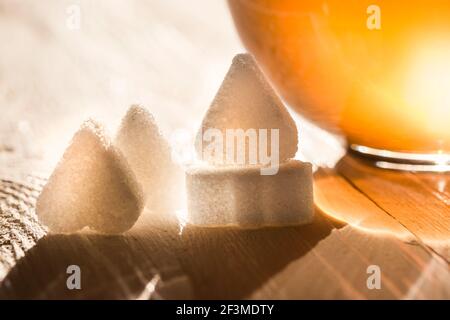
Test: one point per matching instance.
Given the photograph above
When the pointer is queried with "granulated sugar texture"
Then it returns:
(248, 193)
(149, 155)
(246, 101)
(243, 197)
(105, 188)
(92, 186)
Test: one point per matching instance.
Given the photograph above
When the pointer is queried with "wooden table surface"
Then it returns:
(397, 221)
(166, 55)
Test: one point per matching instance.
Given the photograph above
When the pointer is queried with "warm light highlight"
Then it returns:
(379, 74)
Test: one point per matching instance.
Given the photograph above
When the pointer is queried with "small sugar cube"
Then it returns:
(149, 155)
(92, 186)
(241, 196)
(245, 112)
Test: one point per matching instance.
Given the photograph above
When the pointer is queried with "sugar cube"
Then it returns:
(241, 196)
(92, 186)
(149, 155)
(247, 103)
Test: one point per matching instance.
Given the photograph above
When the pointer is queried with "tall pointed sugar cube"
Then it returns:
(149, 155)
(92, 186)
(245, 112)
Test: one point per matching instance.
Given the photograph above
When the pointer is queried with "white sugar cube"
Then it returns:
(243, 197)
(149, 155)
(244, 111)
(92, 186)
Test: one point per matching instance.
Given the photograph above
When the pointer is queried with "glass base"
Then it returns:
(419, 162)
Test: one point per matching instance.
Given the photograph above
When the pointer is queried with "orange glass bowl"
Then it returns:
(376, 71)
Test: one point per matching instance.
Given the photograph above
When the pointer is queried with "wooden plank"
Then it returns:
(112, 267)
(337, 269)
(232, 263)
(200, 263)
(19, 228)
(323, 260)
(404, 198)
(336, 197)
(438, 184)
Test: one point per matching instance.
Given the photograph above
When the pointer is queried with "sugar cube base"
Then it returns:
(238, 196)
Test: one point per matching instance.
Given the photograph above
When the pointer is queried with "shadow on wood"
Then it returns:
(196, 263)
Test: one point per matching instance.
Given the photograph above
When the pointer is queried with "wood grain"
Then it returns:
(404, 196)
(325, 260)
(337, 197)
